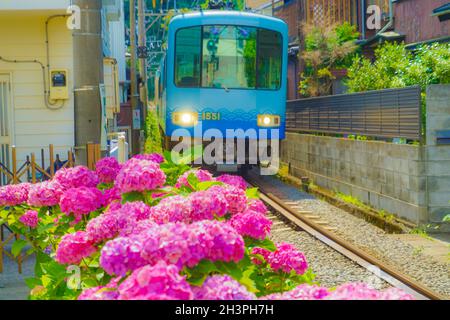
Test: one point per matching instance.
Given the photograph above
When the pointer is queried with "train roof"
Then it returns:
(229, 18)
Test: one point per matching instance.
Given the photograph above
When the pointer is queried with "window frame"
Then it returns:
(257, 57)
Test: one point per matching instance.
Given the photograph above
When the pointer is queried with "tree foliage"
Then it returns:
(326, 48)
(396, 67)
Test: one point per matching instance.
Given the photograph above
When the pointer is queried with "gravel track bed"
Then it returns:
(405, 257)
(375, 241)
(331, 268)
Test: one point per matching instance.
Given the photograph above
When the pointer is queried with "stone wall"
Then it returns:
(410, 181)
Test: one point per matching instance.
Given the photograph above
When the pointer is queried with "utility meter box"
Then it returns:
(59, 89)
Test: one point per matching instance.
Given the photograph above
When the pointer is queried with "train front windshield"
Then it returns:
(228, 57)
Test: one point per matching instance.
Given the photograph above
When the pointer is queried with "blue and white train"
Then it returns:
(224, 70)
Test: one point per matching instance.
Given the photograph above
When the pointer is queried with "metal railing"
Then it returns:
(390, 113)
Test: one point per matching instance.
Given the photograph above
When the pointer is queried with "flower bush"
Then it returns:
(153, 229)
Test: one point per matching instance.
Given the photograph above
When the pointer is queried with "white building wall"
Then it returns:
(22, 37)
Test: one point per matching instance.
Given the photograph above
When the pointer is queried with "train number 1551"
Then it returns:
(211, 116)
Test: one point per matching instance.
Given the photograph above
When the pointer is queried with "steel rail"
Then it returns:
(384, 271)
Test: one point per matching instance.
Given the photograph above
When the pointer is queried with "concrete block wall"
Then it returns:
(437, 157)
(410, 181)
(385, 175)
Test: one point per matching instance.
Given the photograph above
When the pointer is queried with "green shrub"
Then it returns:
(153, 142)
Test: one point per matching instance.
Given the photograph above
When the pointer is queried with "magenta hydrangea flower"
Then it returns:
(76, 177)
(44, 194)
(74, 247)
(302, 292)
(172, 209)
(110, 196)
(14, 194)
(140, 175)
(202, 176)
(81, 201)
(158, 282)
(107, 169)
(155, 157)
(232, 180)
(251, 224)
(264, 253)
(121, 255)
(206, 205)
(30, 218)
(235, 197)
(258, 206)
(108, 292)
(222, 287)
(287, 258)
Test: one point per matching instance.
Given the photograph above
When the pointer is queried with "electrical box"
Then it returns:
(59, 89)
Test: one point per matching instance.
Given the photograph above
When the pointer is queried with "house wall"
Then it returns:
(413, 18)
(22, 37)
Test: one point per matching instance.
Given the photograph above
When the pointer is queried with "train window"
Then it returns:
(270, 53)
(187, 60)
(229, 57)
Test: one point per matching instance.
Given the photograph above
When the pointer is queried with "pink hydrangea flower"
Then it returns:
(175, 243)
(120, 220)
(206, 205)
(108, 292)
(172, 209)
(140, 175)
(252, 224)
(121, 255)
(15, 194)
(361, 291)
(74, 247)
(395, 294)
(30, 218)
(81, 201)
(103, 227)
(354, 291)
(222, 287)
(258, 206)
(159, 282)
(235, 197)
(287, 258)
(76, 177)
(202, 176)
(232, 180)
(155, 157)
(302, 292)
(107, 169)
(44, 194)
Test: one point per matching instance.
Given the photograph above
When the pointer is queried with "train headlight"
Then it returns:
(185, 118)
(268, 120)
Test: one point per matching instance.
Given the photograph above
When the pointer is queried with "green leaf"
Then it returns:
(17, 247)
(265, 244)
(252, 193)
(33, 282)
(193, 180)
(132, 197)
(188, 157)
(205, 185)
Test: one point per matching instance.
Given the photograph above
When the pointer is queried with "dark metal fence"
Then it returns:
(391, 113)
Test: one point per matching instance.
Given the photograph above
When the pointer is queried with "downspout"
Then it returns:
(363, 19)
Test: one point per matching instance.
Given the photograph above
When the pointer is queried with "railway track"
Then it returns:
(307, 222)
